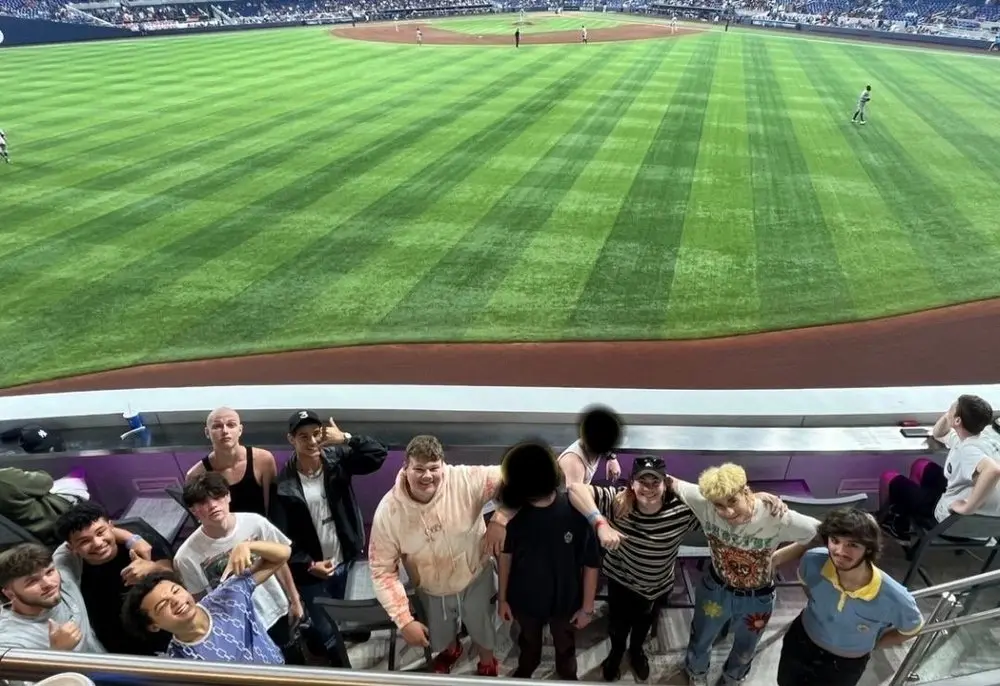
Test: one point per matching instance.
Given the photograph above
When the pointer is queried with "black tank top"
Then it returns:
(246, 495)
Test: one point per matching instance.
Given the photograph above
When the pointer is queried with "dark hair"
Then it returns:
(78, 518)
(136, 620)
(22, 560)
(600, 430)
(530, 472)
(976, 414)
(855, 524)
(202, 487)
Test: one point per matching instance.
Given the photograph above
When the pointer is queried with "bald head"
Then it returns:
(222, 413)
(223, 428)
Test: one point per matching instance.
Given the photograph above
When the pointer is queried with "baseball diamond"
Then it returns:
(256, 191)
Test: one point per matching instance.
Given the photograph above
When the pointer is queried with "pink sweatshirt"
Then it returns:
(439, 543)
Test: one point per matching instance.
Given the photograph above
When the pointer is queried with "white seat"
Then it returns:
(67, 679)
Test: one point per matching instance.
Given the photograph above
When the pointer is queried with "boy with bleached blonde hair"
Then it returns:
(744, 530)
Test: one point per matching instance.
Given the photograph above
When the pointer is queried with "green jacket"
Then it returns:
(26, 501)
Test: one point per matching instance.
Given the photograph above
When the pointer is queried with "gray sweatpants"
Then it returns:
(473, 607)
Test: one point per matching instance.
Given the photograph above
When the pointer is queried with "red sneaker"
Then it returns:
(445, 660)
(491, 668)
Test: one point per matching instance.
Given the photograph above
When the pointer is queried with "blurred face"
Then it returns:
(169, 606)
(224, 429)
(39, 591)
(95, 544)
(212, 510)
(737, 509)
(306, 440)
(846, 553)
(423, 478)
(648, 491)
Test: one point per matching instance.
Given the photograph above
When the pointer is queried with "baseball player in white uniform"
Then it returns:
(583, 34)
(863, 99)
(3, 147)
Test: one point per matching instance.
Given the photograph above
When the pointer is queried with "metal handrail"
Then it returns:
(959, 584)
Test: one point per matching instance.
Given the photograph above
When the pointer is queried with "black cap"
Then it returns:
(301, 418)
(648, 464)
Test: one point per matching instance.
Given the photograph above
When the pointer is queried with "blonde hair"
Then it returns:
(722, 483)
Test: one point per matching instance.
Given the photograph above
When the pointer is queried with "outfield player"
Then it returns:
(420, 37)
(583, 34)
(3, 147)
(863, 99)
(673, 23)
(517, 38)
(395, 22)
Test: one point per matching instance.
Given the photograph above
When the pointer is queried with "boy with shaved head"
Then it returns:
(248, 470)
(744, 530)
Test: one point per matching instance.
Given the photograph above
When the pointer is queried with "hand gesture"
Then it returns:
(609, 538)
(581, 619)
(493, 541)
(323, 569)
(332, 435)
(142, 549)
(137, 568)
(613, 469)
(240, 560)
(416, 634)
(776, 507)
(64, 636)
(503, 610)
(296, 613)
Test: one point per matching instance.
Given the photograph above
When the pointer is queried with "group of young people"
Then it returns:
(271, 543)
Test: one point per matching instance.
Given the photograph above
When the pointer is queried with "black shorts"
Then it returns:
(803, 662)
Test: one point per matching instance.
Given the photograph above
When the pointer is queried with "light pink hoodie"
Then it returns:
(439, 542)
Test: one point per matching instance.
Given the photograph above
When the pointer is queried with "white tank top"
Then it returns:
(578, 453)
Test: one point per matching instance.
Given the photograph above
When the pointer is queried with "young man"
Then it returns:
(224, 625)
(744, 530)
(316, 508)
(550, 561)
(642, 527)
(105, 568)
(863, 99)
(968, 483)
(448, 563)
(854, 608)
(47, 610)
(249, 471)
(600, 433)
(202, 558)
(34, 500)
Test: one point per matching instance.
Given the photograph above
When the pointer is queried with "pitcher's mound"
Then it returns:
(407, 33)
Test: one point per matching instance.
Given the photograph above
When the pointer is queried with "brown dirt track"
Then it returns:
(386, 33)
(953, 345)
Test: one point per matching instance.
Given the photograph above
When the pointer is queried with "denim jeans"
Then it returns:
(324, 636)
(715, 605)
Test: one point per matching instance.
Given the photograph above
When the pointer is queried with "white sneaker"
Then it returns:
(863, 123)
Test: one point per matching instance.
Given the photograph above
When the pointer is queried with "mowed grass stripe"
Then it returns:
(365, 231)
(298, 195)
(978, 147)
(927, 215)
(554, 267)
(873, 249)
(629, 285)
(794, 246)
(717, 263)
(965, 74)
(291, 130)
(467, 276)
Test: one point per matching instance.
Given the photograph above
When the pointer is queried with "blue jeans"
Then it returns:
(324, 636)
(715, 605)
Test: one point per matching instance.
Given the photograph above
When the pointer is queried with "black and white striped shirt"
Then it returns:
(644, 562)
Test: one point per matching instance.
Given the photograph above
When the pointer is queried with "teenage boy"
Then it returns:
(106, 568)
(600, 431)
(224, 626)
(854, 608)
(550, 560)
(744, 530)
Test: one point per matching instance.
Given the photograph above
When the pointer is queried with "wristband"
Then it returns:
(593, 516)
(600, 522)
(132, 540)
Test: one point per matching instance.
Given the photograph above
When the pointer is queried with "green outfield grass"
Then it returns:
(263, 190)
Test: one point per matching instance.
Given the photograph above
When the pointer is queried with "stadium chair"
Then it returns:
(958, 532)
(12, 534)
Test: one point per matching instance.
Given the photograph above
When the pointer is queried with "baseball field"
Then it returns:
(213, 195)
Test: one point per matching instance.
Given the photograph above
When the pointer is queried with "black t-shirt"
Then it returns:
(549, 547)
(103, 591)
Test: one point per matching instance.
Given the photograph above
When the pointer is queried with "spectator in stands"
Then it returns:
(744, 530)
(550, 561)
(853, 607)
(224, 626)
(249, 471)
(316, 508)
(600, 432)
(966, 485)
(34, 501)
(202, 558)
(450, 563)
(642, 527)
(47, 610)
(104, 568)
